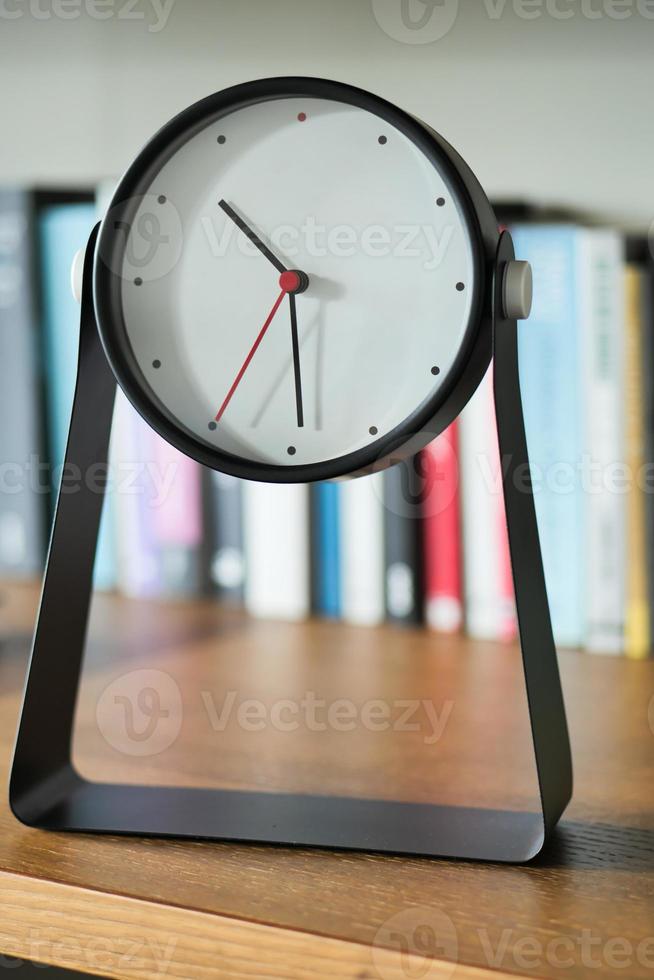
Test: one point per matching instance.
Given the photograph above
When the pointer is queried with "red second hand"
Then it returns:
(247, 360)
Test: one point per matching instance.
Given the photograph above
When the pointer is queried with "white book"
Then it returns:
(601, 310)
(362, 550)
(276, 544)
(489, 606)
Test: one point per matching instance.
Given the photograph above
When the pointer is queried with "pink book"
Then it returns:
(177, 514)
(442, 529)
(508, 622)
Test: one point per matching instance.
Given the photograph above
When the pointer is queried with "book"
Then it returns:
(138, 568)
(601, 321)
(326, 559)
(442, 533)
(276, 536)
(404, 487)
(637, 613)
(487, 578)
(177, 519)
(361, 538)
(549, 347)
(23, 498)
(63, 229)
(225, 533)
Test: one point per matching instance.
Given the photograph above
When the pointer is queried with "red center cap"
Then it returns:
(289, 281)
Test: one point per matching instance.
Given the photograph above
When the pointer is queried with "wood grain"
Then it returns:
(588, 903)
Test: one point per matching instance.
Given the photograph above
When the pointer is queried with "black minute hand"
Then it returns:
(252, 235)
(296, 361)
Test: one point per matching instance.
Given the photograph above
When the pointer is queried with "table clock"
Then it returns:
(295, 281)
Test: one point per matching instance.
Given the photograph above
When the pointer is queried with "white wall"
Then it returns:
(555, 109)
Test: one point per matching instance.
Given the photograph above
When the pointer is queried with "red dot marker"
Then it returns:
(301, 116)
(289, 281)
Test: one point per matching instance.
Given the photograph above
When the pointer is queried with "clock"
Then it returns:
(292, 281)
(295, 281)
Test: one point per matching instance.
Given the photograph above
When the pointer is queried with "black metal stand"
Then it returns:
(47, 792)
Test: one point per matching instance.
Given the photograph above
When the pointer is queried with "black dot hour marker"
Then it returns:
(162, 199)
(440, 201)
(222, 139)
(373, 430)
(138, 281)
(291, 450)
(435, 370)
(382, 140)
(301, 116)
(460, 286)
(212, 425)
(156, 364)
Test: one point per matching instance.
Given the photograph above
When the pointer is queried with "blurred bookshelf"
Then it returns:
(424, 543)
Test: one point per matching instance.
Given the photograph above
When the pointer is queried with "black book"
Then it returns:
(403, 541)
(637, 251)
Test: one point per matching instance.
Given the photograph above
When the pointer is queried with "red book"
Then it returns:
(442, 530)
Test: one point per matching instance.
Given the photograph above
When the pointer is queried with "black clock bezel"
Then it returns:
(429, 418)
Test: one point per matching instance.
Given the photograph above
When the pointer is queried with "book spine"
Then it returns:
(138, 572)
(647, 341)
(362, 550)
(326, 562)
(63, 229)
(487, 580)
(226, 560)
(601, 322)
(550, 372)
(637, 614)
(177, 516)
(403, 538)
(277, 581)
(22, 500)
(442, 533)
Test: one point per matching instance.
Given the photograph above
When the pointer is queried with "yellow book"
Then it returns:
(637, 613)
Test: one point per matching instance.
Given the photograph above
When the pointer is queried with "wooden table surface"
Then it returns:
(151, 908)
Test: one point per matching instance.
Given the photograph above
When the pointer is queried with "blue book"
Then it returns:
(63, 229)
(22, 504)
(549, 347)
(326, 550)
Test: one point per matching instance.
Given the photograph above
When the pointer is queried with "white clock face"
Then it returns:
(280, 368)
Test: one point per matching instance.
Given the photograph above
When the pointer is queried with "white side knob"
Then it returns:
(77, 274)
(518, 290)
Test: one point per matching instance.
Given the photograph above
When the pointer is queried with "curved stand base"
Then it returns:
(46, 792)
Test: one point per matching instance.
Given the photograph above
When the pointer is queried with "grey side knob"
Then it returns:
(76, 274)
(518, 290)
